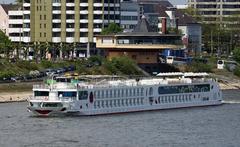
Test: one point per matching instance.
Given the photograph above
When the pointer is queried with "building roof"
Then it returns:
(165, 3)
(9, 7)
(143, 26)
(183, 19)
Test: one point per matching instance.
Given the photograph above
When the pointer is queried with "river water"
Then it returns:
(213, 126)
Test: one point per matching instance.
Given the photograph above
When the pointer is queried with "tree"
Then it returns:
(19, 1)
(6, 45)
(111, 29)
(236, 54)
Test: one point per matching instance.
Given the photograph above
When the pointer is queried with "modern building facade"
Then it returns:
(11, 21)
(68, 21)
(130, 15)
(225, 12)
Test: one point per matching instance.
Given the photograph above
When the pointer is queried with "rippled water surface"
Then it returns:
(214, 126)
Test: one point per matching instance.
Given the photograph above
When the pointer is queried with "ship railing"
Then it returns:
(38, 97)
(42, 86)
(67, 98)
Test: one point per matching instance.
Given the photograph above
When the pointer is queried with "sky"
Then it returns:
(174, 2)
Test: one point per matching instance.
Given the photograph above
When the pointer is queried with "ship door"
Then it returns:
(150, 94)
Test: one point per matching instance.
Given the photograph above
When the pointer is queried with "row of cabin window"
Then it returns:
(119, 93)
(118, 103)
(174, 99)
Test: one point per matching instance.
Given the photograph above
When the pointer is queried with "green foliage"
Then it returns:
(27, 65)
(5, 44)
(198, 67)
(236, 54)
(46, 64)
(237, 71)
(122, 65)
(111, 29)
(19, 1)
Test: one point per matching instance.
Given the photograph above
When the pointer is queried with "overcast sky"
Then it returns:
(172, 1)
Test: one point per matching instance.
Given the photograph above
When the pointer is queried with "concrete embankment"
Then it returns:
(14, 96)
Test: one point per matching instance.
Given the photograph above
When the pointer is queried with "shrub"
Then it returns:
(198, 67)
(27, 65)
(237, 71)
(46, 64)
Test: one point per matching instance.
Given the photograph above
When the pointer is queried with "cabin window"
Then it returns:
(107, 94)
(82, 95)
(119, 93)
(142, 91)
(111, 93)
(67, 94)
(41, 93)
(183, 89)
(150, 91)
(126, 92)
(122, 102)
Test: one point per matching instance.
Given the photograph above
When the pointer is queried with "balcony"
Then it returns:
(70, 12)
(84, 12)
(70, 21)
(56, 39)
(56, 4)
(56, 20)
(83, 39)
(56, 12)
(26, 12)
(70, 4)
(97, 30)
(84, 30)
(83, 4)
(97, 21)
(83, 20)
(15, 30)
(70, 30)
(26, 21)
(69, 39)
(26, 39)
(15, 39)
(97, 4)
(98, 12)
(56, 29)
(26, 29)
(26, 4)
(15, 21)
(16, 13)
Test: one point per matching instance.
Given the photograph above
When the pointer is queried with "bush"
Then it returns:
(237, 71)
(27, 65)
(236, 54)
(46, 64)
(198, 67)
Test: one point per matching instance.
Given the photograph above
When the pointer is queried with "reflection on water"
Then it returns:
(201, 126)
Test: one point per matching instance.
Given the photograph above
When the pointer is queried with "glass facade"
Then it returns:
(183, 89)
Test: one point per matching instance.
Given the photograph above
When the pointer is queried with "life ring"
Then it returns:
(46, 98)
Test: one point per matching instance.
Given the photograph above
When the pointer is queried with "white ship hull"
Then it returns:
(147, 108)
(132, 96)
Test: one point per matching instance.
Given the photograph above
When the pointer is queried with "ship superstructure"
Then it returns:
(105, 96)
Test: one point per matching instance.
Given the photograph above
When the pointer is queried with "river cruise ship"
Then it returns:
(64, 95)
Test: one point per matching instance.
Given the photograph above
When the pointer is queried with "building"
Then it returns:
(11, 21)
(225, 12)
(149, 8)
(142, 45)
(74, 22)
(172, 20)
(130, 14)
